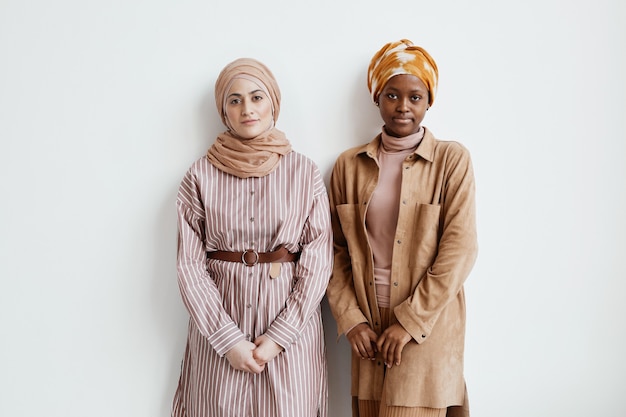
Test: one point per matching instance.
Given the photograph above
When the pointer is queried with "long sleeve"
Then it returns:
(341, 291)
(312, 270)
(199, 293)
(456, 249)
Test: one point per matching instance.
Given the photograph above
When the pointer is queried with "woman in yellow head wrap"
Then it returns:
(254, 259)
(403, 215)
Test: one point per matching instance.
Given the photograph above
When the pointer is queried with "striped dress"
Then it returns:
(229, 302)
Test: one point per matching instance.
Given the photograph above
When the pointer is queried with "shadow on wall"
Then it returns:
(209, 120)
(167, 308)
(339, 363)
(357, 125)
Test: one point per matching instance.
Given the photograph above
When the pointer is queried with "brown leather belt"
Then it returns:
(251, 257)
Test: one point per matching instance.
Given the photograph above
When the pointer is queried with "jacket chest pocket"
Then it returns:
(427, 218)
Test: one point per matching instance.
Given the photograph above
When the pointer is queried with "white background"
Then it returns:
(105, 104)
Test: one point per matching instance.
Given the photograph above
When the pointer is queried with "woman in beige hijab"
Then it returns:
(405, 241)
(254, 259)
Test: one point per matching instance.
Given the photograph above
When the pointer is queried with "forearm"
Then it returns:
(312, 271)
(456, 253)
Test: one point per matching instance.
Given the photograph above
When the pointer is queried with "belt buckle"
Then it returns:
(256, 257)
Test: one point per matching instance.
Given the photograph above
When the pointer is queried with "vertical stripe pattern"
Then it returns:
(230, 302)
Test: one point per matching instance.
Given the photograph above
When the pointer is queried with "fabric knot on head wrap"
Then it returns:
(252, 70)
(402, 57)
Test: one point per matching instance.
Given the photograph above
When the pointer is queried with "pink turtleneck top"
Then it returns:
(382, 215)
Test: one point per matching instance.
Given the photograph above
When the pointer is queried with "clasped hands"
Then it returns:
(252, 357)
(366, 343)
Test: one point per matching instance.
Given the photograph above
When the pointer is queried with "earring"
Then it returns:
(377, 104)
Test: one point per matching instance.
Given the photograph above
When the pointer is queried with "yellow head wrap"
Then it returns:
(402, 57)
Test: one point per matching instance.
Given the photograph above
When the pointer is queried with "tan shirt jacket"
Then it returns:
(435, 250)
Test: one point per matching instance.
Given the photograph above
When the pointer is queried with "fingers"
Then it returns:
(363, 341)
(391, 343)
(397, 354)
(266, 349)
(387, 349)
(254, 367)
(365, 349)
(240, 357)
(366, 346)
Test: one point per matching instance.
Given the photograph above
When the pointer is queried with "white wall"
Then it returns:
(104, 105)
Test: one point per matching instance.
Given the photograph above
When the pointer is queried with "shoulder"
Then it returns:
(201, 169)
(295, 163)
(453, 158)
(297, 158)
(199, 173)
(445, 150)
(354, 151)
(452, 148)
(191, 187)
(200, 164)
(302, 171)
(351, 155)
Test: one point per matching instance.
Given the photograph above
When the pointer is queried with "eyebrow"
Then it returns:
(251, 92)
(417, 90)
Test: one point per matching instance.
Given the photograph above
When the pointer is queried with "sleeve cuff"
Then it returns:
(407, 319)
(282, 333)
(349, 319)
(225, 338)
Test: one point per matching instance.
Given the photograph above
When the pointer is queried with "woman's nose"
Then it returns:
(403, 105)
(246, 109)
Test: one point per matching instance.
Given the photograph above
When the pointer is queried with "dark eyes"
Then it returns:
(238, 100)
(393, 96)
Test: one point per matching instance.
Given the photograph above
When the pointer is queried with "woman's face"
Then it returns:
(403, 103)
(248, 109)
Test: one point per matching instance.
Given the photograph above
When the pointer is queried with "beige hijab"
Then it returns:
(258, 156)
